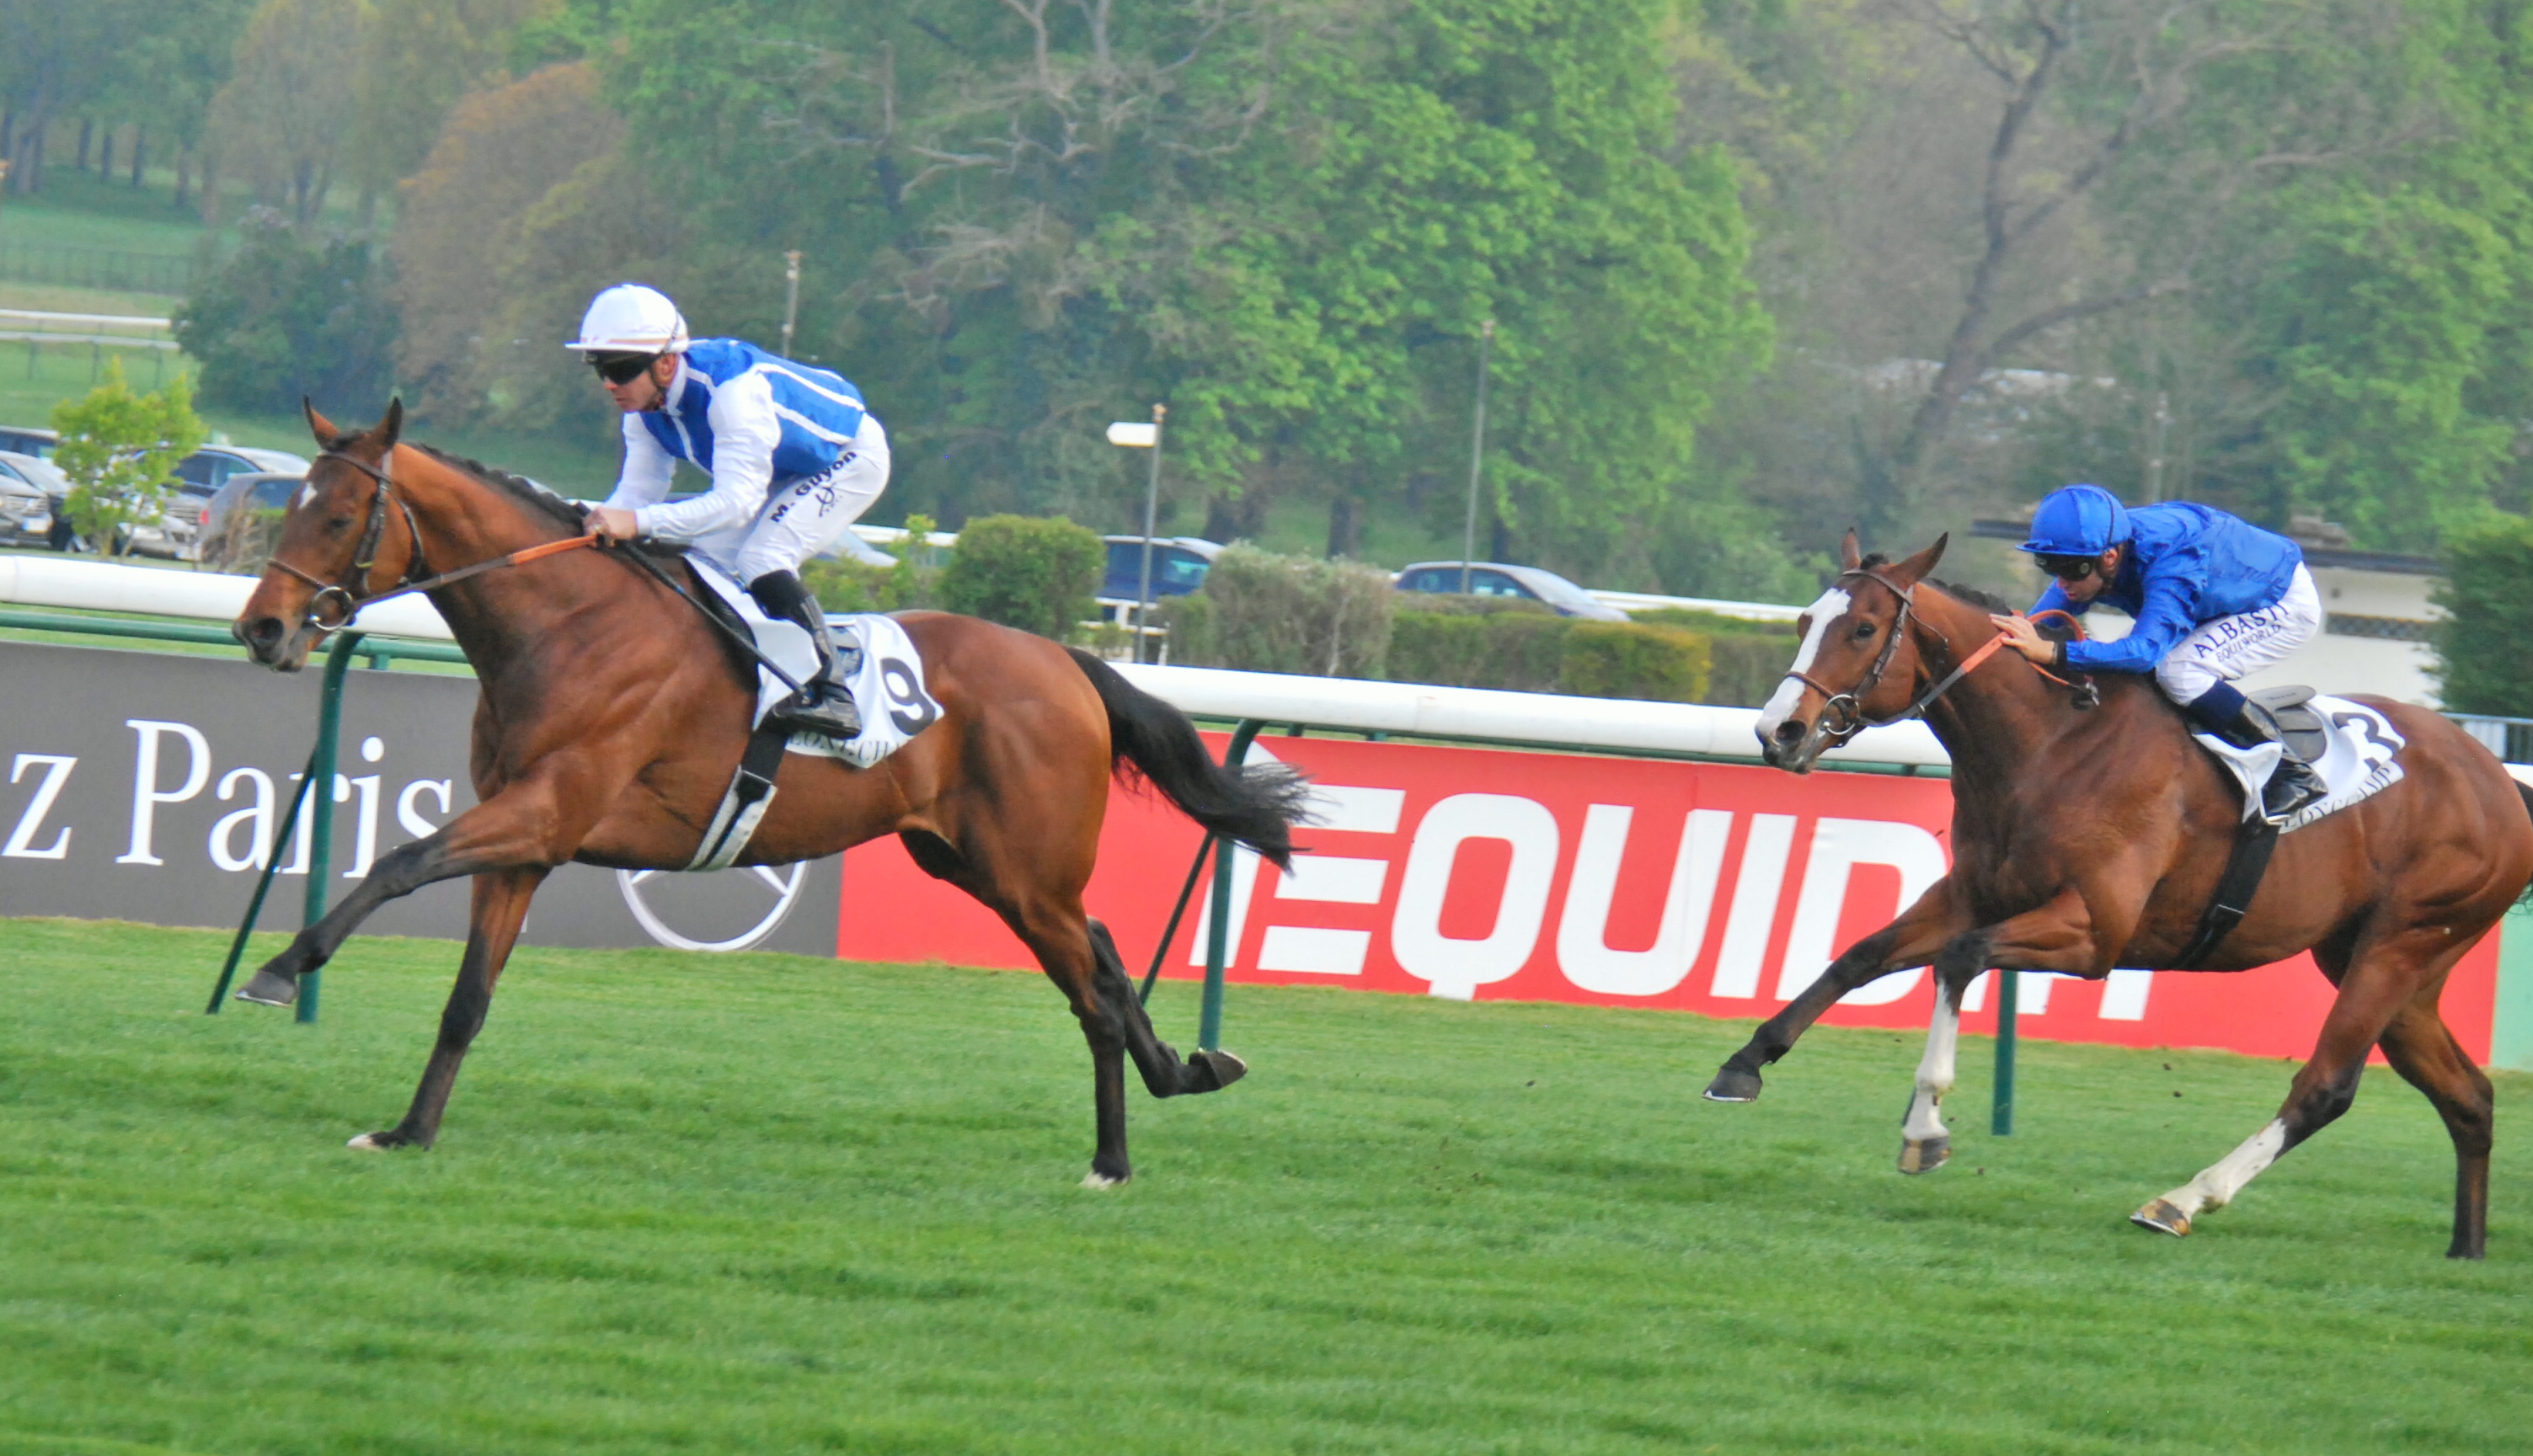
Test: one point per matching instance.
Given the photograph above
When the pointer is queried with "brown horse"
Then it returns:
(2086, 839)
(613, 715)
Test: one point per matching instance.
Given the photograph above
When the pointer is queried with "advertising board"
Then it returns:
(1484, 873)
(145, 785)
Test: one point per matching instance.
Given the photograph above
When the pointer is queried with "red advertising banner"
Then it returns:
(1483, 873)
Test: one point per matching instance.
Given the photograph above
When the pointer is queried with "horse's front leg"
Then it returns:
(2057, 932)
(1912, 940)
(501, 907)
(524, 825)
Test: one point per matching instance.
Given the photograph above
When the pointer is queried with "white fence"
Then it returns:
(1409, 709)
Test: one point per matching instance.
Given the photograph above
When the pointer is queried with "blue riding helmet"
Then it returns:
(2077, 522)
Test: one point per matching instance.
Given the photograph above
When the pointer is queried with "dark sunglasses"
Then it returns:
(620, 368)
(2069, 568)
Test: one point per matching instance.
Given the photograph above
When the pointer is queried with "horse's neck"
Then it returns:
(2000, 713)
(464, 521)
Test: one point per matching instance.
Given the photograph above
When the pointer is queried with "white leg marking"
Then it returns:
(1934, 1070)
(1100, 1181)
(367, 1142)
(2218, 1183)
(1780, 704)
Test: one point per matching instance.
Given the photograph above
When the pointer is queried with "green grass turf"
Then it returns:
(772, 1204)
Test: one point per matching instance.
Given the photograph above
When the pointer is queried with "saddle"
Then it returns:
(2307, 736)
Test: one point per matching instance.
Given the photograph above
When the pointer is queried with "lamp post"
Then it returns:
(1135, 436)
(1477, 455)
(791, 296)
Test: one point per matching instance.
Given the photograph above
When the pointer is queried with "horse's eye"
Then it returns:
(337, 525)
(1864, 631)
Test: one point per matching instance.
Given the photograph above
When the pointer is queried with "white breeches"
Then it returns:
(804, 518)
(2237, 646)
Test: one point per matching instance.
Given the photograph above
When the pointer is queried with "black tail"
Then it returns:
(1256, 804)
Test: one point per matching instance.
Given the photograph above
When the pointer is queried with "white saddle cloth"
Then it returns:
(2357, 765)
(886, 676)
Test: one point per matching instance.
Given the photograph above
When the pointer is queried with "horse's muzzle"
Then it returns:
(271, 641)
(1793, 746)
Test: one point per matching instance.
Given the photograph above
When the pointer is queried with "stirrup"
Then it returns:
(829, 711)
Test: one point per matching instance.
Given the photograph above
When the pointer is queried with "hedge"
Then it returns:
(1263, 612)
(1037, 573)
(2486, 655)
(1748, 658)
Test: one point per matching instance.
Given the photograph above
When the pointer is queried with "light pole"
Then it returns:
(1477, 455)
(1135, 436)
(791, 296)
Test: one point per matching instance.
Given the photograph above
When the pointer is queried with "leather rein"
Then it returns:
(350, 594)
(1849, 705)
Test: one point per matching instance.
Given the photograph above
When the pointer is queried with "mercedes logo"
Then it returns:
(724, 910)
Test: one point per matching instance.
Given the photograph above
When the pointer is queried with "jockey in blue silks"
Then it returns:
(793, 454)
(2214, 598)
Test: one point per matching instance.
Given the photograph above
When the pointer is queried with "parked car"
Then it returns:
(241, 520)
(29, 439)
(1495, 579)
(44, 478)
(26, 505)
(1179, 565)
(211, 466)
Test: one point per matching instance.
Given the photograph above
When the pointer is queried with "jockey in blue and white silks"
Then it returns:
(792, 453)
(2215, 599)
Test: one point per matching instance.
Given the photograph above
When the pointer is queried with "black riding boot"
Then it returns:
(823, 705)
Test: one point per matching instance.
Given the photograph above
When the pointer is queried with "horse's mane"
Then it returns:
(1986, 601)
(518, 487)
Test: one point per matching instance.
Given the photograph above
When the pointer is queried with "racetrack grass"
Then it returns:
(770, 1205)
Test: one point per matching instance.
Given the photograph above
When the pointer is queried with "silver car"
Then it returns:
(32, 494)
(1495, 579)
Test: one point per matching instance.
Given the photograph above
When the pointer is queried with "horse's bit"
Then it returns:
(1848, 706)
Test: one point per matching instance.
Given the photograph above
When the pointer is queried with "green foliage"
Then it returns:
(1747, 659)
(2484, 650)
(843, 585)
(1036, 573)
(292, 315)
(666, 1217)
(120, 450)
(1263, 612)
(1626, 660)
(1516, 651)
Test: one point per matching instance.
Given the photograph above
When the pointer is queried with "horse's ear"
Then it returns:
(317, 425)
(1848, 556)
(1914, 569)
(393, 426)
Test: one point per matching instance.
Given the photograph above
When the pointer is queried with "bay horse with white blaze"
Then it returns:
(612, 715)
(2089, 838)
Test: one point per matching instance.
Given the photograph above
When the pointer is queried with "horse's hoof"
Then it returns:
(1225, 1067)
(1099, 1182)
(2163, 1217)
(369, 1142)
(269, 989)
(1924, 1154)
(1733, 1085)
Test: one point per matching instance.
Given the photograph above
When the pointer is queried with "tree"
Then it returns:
(419, 58)
(55, 55)
(2485, 657)
(293, 314)
(292, 96)
(120, 452)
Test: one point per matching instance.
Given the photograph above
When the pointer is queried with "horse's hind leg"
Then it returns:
(501, 907)
(1164, 1075)
(2386, 975)
(2421, 1048)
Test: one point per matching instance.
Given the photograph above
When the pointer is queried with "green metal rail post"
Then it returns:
(2000, 1121)
(320, 799)
(1217, 947)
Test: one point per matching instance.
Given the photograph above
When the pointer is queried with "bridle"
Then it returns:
(1848, 706)
(351, 593)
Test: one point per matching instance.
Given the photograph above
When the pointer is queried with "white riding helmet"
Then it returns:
(630, 319)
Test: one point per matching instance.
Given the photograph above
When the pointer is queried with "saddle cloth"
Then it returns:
(874, 656)
(2350, 745)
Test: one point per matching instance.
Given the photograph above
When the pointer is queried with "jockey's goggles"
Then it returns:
(2069, 568)
(620, 368)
